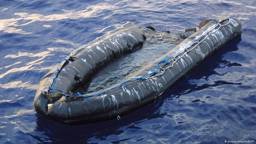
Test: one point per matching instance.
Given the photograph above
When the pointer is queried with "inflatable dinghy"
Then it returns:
(71, 93)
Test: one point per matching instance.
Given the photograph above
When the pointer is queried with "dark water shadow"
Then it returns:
(62, 133)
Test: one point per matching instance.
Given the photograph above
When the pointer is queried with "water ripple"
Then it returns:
(212, 103)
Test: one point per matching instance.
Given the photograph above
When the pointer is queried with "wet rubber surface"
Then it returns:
(123, 68)
(214, 102)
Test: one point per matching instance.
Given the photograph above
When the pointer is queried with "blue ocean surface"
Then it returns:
(214, 103)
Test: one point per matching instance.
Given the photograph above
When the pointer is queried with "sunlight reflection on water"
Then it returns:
(213, 103)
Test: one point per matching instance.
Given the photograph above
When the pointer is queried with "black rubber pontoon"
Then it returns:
(57, 95)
